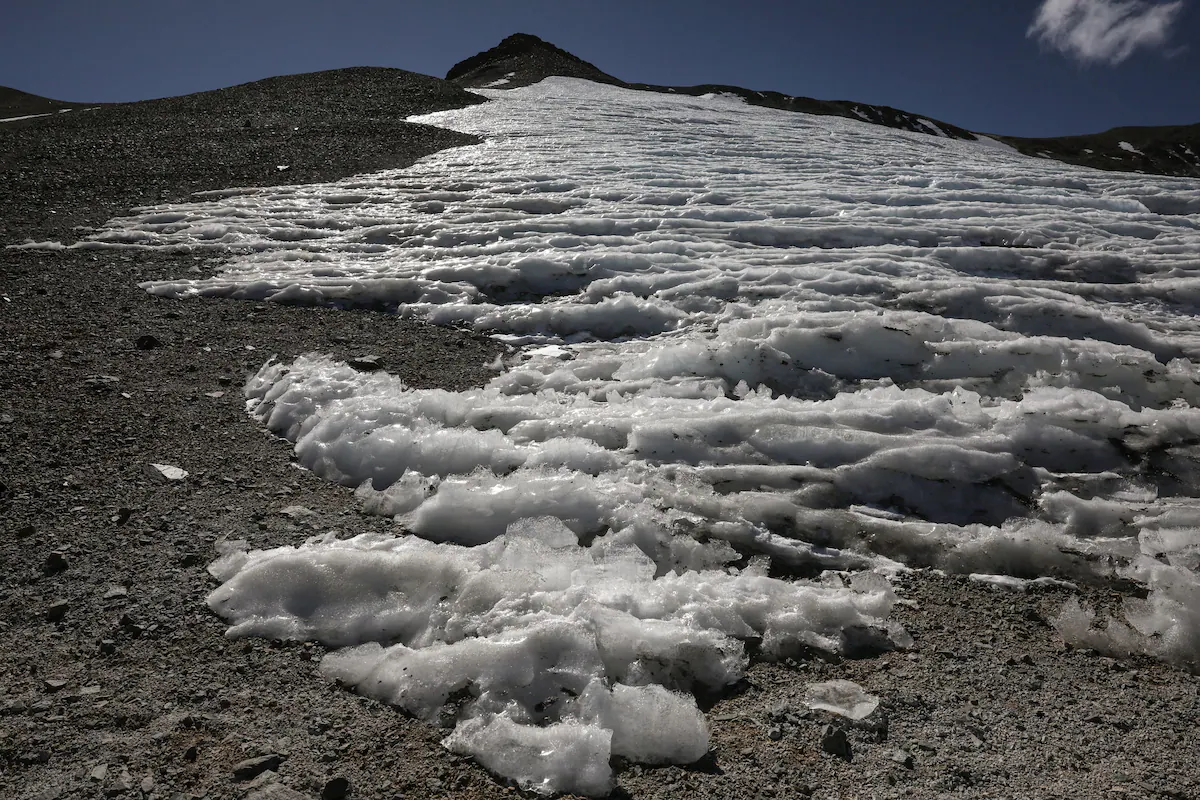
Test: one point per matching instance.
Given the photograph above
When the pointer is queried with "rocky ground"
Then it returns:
(116, 680)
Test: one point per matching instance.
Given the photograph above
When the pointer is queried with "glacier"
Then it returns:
(760, 361)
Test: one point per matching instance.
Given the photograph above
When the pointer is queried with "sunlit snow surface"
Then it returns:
(745, 333)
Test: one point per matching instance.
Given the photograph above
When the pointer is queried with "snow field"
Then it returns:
(745, 337)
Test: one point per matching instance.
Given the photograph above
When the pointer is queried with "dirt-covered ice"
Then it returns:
(747, 338)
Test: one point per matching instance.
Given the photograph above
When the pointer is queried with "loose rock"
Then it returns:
(252, 767)
(835, 742)
(55, 563)
(57, 610)
(165, 472)
(366, 363)
(276, 791)
(336, 789)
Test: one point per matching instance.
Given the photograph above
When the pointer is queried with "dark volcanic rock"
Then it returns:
(82, 168)
(1161, 150)
(252, 767)
(15, 103)
(523, 59)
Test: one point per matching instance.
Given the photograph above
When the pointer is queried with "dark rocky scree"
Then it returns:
(15, 103)
(529, 59)
(116, 681)
(1163, 150)
(84, 167)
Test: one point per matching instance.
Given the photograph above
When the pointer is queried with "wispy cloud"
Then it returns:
(1103, 31)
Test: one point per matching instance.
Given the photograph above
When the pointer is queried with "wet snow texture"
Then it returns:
(747, 333)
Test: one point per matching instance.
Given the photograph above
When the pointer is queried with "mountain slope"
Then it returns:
(744, 336)
(522, 59)
(1162, 150)
(15, 103)
(297, 128)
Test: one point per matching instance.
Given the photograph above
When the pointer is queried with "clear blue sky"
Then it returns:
(968, 62)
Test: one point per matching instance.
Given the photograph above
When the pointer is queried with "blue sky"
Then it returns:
(969, 62)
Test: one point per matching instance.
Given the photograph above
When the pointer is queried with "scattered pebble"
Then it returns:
(252, 767)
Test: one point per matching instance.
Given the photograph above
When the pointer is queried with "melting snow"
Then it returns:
(1129, 148)
(751, 337)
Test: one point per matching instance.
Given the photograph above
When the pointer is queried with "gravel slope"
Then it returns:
(116, 681)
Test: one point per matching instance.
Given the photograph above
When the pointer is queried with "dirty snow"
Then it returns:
(751, 345)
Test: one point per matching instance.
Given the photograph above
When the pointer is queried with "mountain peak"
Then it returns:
(520, 60)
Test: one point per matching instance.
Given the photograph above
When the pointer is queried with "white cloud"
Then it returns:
(1103, 31)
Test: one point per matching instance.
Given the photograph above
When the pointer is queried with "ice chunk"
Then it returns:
(649, 724)
(841, 697)
(566, 757)
(1165, 625)
(1020, 584)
